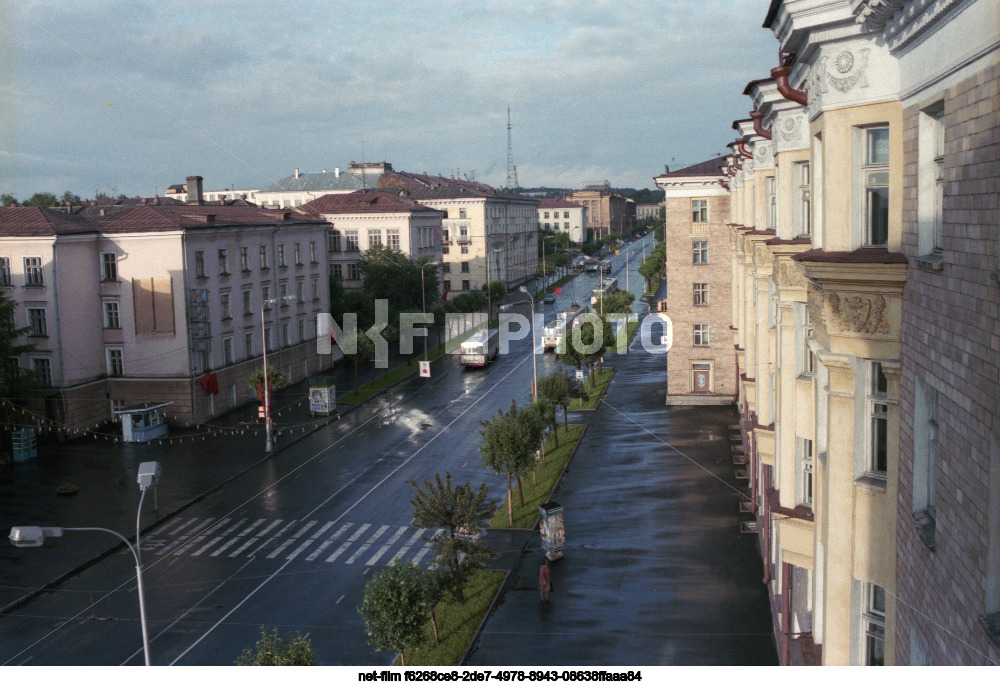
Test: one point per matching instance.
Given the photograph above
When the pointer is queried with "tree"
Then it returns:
(18, 386)
(272, 650)
(619, 302)
(395, 606)
(8, 200)
(495, 289)
(390, 275)
(41, 200)
(506, 449)
(560, 389)
(70, 197)
(276, 378)
(464, 513)
(542, 414)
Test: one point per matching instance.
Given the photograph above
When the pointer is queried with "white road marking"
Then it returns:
(229, 531)
(175, 526)
(350, 541)
(319, 550)
(365, 547)
(341, 599)
(214, 540)
(422, 553)
(322, 530)
(409, 543)
(218, 525)
(224, 547)
(250, 527)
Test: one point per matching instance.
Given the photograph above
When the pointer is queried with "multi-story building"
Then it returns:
(700, 365)
(363, 219)
(865, 310)
(486, 234)
(606, 209)
(562, 215)
(131, 304)
(646, 211)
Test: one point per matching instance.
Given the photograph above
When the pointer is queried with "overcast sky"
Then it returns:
(134, 96)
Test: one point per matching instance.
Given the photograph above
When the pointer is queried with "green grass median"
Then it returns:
(601, 381)
(546, 477)
(457, 623)
(558, 284)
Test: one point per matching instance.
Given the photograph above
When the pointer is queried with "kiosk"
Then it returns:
(143, 422)
(322, 395)
(24, 444)
(552, 531)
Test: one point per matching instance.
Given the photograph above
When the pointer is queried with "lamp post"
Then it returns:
(34, 536)
(423, 298)
(534, 362)
(268, 429)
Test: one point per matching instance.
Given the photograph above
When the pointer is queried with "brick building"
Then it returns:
(700, 365)
(606, 209)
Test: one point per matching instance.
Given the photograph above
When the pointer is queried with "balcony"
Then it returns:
(463, 240)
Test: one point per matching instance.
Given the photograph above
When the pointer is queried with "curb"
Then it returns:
(493, 605)
(52, 584)
(603, 392)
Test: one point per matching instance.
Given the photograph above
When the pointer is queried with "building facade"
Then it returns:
(563, 216)
(701, 367)
(865, 313)
(606, 209)
(132, 304)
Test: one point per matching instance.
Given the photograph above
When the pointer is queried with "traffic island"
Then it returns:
(601, 382)
(547, 476)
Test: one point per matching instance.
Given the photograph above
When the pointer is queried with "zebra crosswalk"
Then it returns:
(351, 544)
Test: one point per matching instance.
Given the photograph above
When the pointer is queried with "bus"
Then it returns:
(552, 335)
(607, 286)
(481, 348)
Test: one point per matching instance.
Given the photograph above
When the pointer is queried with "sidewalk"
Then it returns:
(194, 463)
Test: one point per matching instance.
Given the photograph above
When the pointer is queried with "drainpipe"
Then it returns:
(62, 364)
(780, 75)
(758, 124)
(187, 325)
(742, 149)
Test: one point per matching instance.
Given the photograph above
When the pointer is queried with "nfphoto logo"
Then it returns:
(584, 332)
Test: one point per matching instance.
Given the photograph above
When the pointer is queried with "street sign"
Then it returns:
(579, 375)
(425, 369)
(260, 411)
(558, 291)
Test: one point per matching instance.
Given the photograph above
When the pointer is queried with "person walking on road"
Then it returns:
(544, 581)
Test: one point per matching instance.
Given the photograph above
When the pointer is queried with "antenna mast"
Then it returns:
(512, 183)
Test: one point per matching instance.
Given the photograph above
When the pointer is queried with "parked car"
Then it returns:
(549, 299)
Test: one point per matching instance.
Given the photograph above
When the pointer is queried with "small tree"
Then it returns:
(276, 378)
(272, 650)
(560, 389)
(395, 607)
(505, 449)
(543, 414)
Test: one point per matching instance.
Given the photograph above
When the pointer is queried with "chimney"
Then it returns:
(296, 172)
(194, 196)
(143, 200)
(336, 172)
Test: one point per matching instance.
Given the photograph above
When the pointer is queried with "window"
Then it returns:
(111, 319)
(392, 238)
(36, 322)
(701, 294)
(285, 342)
(43, 370)
(226, 307)
(199, 264)
(545, 215)
(930, 179)
(925, 459)
(268, 342)
(875, 186)
(351, 238)
(5, 271)
(701, 377)
(244, 259)
(772, 201)
(700, 249)
(334, 240)
(879, 422)
(312, 252)
(465, 284)
(247, 301)
(265, 294)
(446, 268)
(374, 236)
(465, 249)
(314, 283)
(802, 208)
(461, 213)
(699, 211)
(807, 358)
(805, 447)
(115, 361)
(263, 257)
(227, 350)
(109, 266)
(281, 255)
(231, 395)
(446, 285)
(248, 343)
(353, 272)
(297, 254)
(873, 624)
(302, 328)
(283, 294)
(701, 335)
(566, 216)
(298, 291)
(465, 267)
(223, 262)
(33, 271)
(337, 271)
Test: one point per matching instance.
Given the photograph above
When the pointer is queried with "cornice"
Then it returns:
(900, 21)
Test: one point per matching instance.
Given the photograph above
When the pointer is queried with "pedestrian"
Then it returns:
(544, 581)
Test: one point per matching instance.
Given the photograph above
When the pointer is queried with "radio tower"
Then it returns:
(512, 183)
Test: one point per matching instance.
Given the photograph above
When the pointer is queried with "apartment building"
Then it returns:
(132, 304)
(556, 214)
(865, 310)
(700, 363)
(363, 219)
(606, 209)
(486, 234)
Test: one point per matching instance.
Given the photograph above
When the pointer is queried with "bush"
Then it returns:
(272, 650)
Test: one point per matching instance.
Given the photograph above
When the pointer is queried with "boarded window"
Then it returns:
(154, 305)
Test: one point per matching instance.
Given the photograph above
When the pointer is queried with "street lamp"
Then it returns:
(534, 362)
(34, 536)
(423, 299)
(268, 429)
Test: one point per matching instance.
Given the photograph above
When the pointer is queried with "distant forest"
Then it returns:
(641, 196)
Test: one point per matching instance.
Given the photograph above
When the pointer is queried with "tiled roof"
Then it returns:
(364, 201)
(319, 181)
(426, 187)
(709, 168)
(36, 221)
(549, 203)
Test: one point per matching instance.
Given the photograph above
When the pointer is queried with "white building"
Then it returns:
(565, 216)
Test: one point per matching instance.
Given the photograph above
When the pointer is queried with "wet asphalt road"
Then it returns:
(292, 542)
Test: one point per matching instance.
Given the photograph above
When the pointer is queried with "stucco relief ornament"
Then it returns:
(789, 275)
(790, 129)
(859, 314)
(844, 63)
(762, 154)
